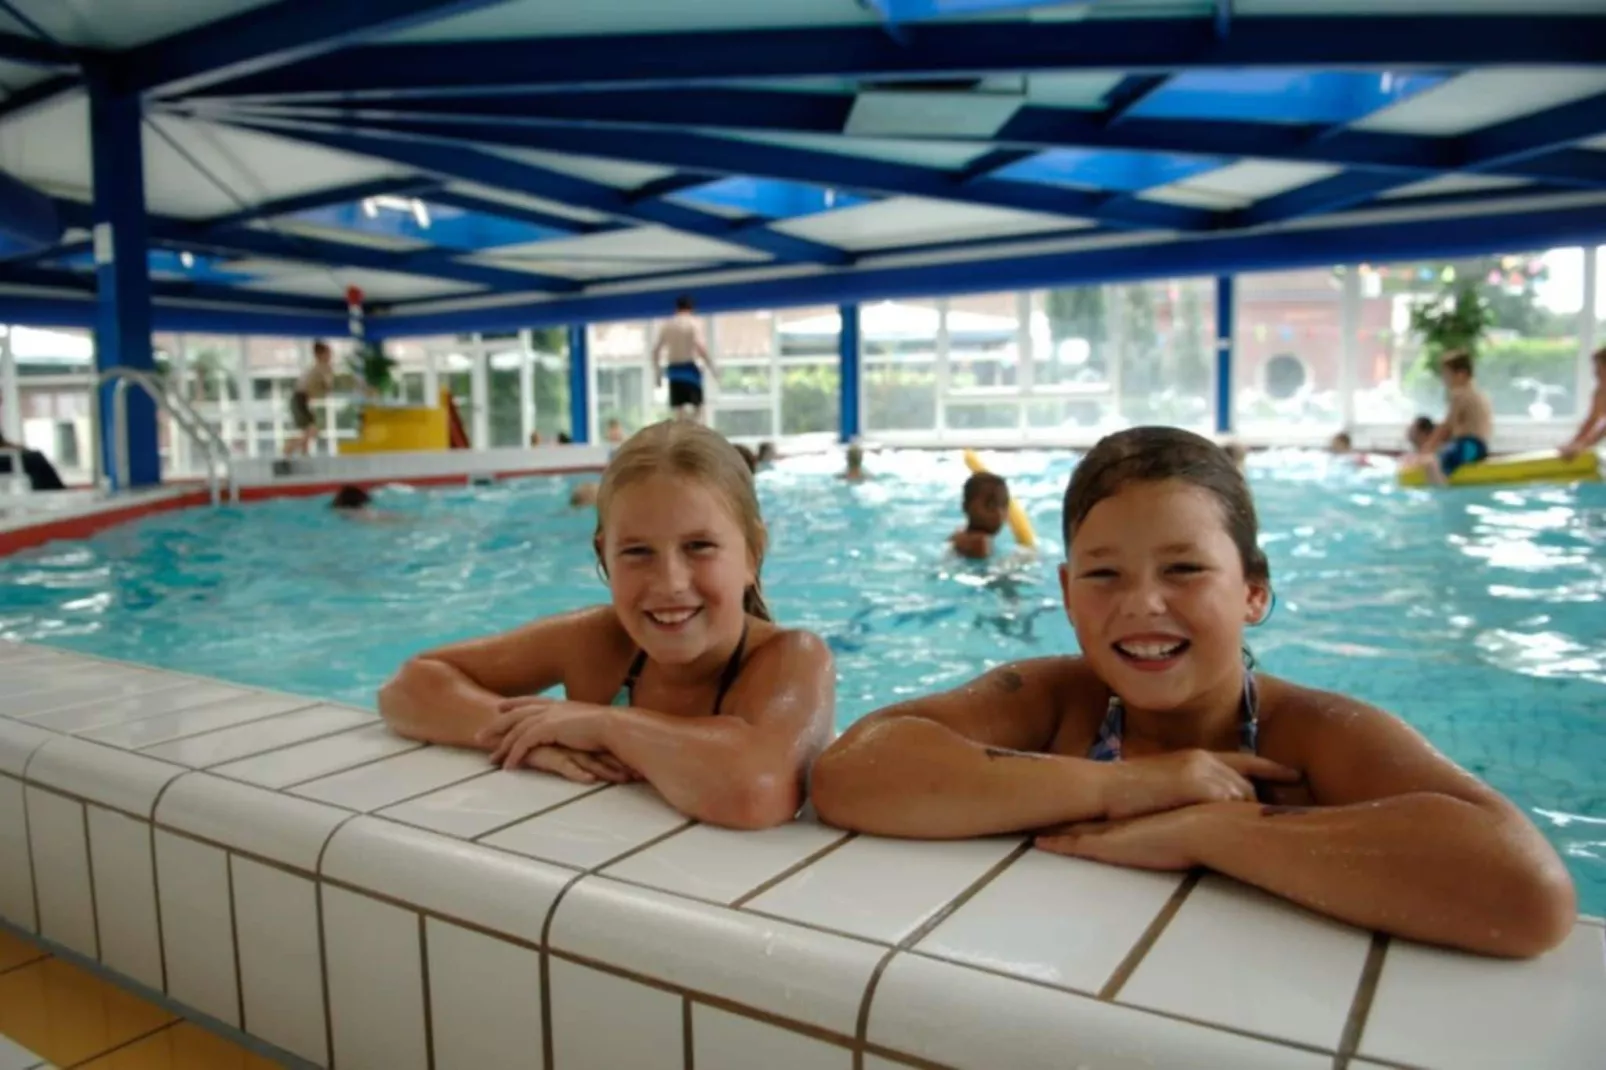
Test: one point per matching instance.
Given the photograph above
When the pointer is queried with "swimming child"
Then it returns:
(535, 438)
(1238, 453)
(584, 494)
(750, 457)
(1463, 437)
(682, 680)
(986, 502)
(565, 439)
(1160, 748)
(1419, 432)
(350, 498)
(1593, 429)
(766, 454)
(1341, 444)
(855, 473)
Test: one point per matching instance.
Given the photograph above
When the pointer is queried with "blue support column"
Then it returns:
(848, 349)
(122, 275)
(1224, 335)
(579, 385)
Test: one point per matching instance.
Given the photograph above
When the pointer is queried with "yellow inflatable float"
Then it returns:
(1545, 466)
(1018, 523)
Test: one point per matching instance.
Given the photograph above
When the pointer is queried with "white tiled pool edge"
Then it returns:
(463, 917)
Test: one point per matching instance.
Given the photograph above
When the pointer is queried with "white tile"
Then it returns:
(14, 1056)
(971, 1020)
(232, 744)
(266, 823)
(484, 999)
(192, 886)
(90, 716)
(723, 865)
(319, 757)
(97, 688)
(1004, 926)
(502, 892)
(125, 903)
(16, 868)
(376, 982)
(603, 1022)
(380, 784)
(1445, 1008)
(61, 871)
(114, 778)
(56, 674)
(595, 829)
(477, 806)
(882, 889)
(149, 731)
(800, 974)
(725, 1041)
(281, 973)
(1306, 970)
(18, 742)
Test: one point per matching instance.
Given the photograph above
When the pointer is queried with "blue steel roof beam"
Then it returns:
(36, 52)
(262, 38)
(1132, 91)
(356, 191)
(487, 169)
(755, 159)
(84, 282)
(968, 49)
(666, 186)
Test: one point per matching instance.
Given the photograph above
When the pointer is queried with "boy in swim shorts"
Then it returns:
(1463, 437)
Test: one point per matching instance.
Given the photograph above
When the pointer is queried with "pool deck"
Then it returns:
(291, 869)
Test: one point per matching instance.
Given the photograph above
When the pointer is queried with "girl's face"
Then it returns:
(678, 566)
(1155, 589)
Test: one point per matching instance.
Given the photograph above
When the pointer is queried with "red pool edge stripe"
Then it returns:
(87, 524)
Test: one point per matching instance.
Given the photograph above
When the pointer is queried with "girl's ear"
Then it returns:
(1258, 607)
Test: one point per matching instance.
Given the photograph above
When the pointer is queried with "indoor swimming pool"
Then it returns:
(1472, 614)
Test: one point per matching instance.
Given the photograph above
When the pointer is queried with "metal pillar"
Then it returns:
(10, 398)
(579, 384)
(1224, 327)
(848, 350)
(122, 275)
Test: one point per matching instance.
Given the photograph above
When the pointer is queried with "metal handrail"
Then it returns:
(176, 408)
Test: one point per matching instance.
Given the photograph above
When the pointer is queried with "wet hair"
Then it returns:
(983, 483)
(564, 439)
(749, 456)
(351, 497)
(1458, 361)
(1423, 425)
(766, 451)
(683, 303)
(1599, 356)
(1343, 441)
(535, 438)
(1157, 454)
(855, 456)
(684, 448)
(320, 346)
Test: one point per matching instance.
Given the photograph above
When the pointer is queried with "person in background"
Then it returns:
(584, 495)
(682, 679)
(564, 439)
(535, 438)
(1593, 429)
(1463, 437)
(1237, 452)
(766, 454)
(316, 382)
(42, 475)
(1341, 444)
(986, 501)
(855, 472)
(750, 457)
(354, 502)
(1159, 747)
(1419, 432)
(680, 346)
(615, 431)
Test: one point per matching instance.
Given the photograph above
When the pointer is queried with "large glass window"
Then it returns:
(743, 346)
(1289, 355)
(898, 346)
(810, 396)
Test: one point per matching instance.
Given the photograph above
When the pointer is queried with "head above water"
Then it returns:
(1341, 443)
(749, 456)
(1420, 431)
(683, 450)
(986, 502)
(855, 457)
(684, 303)
(351, 497)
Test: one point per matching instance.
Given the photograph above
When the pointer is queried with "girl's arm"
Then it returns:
(1402, 840)
(449, 694)
(970, 762)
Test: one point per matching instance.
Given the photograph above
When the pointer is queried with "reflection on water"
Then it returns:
(1474, 614)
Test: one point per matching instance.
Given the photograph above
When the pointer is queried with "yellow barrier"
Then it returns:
(1018, 523)
(1545, 466)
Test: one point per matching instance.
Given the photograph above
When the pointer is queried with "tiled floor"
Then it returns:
(54, 1014)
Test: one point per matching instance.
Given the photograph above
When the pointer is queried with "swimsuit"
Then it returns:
(1464, 450)
(733, 669)
(1107, 745)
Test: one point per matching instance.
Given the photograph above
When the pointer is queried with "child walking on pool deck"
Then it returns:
(1159, 747)
(683, 680)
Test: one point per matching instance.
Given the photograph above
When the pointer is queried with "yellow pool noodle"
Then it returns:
(1018, 523)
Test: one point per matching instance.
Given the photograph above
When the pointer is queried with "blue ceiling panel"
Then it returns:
(440, 225)
(1128, 172)
(1282, 96)
(770, 198)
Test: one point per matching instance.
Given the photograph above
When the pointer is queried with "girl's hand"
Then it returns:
(1160, 841)
(525, 724)
(1186, 778)
(580, 766)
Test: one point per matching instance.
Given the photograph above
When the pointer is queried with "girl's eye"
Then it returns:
(1098, 574)
(701, 546)
(1185, 568)
(635, 551)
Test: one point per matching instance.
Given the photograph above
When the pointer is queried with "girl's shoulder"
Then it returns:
(775, 641)
(1293, 716)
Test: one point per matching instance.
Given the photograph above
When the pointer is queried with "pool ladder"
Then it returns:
(220, 480)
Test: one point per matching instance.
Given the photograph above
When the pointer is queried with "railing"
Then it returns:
(218, 458)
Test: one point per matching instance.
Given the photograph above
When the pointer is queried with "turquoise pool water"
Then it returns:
(1476, 615)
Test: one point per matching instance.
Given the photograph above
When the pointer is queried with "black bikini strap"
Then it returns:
(733, 668)
(634, 672)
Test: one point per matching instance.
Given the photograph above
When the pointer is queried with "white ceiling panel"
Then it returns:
(265, 266)
(1084, 90)
(919, 221)
(589, 268)
(15, 76)
(1457, 183)
(340, 234)
(894, 113)
(621, 174)
(543, 18)
(375, 285)
(1239, 185)
(534, 204)
(640, 245)
(49, 146)
(927, 153)
(1484, 97)
(126, 23)
(1596, 143)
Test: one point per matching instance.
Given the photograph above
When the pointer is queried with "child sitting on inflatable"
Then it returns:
(986, 504)
(1463, 437)
(1593, 429)
(1419, 432)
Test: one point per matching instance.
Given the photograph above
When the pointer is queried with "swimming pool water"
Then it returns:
(1474, 614)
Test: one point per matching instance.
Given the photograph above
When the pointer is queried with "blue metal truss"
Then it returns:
(1199, 256)
(28, 218)
(41, 311)
(519, 213)
(35, 52)
(965, 49)
(84, 283)
(446, 227)
(302, 202)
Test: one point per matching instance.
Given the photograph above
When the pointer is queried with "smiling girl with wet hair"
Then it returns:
(1159, 746)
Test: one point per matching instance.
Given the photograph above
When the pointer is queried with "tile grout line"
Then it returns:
(89, 867)
(424, 985)
(1150, 936)
(125, 1045)
(323, 941)
(234, 942)
(260, 753)
(27, 836)
(83, 733)
(140, 750)
(156, 894)
(920, 932)
(43, 955)
(364, 764)
(686, 1033)
(478, 837)
(1349, 1040)
(741, 901)
(904, 1059)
